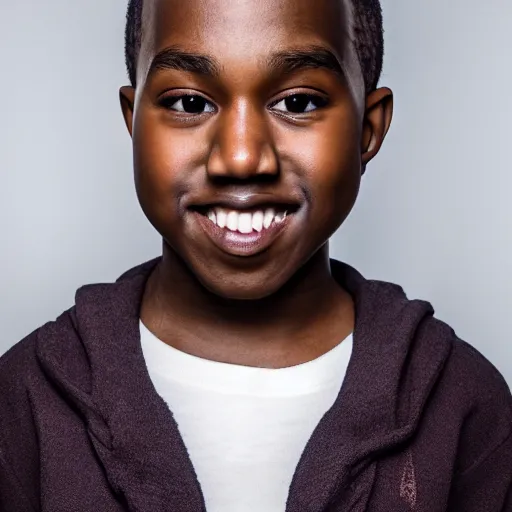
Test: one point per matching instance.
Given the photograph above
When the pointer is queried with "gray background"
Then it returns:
(434, 213)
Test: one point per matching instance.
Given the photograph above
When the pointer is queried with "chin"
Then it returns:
(234, 288)
(239, 285)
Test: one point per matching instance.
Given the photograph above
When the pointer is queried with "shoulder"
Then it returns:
(17, 364)
(22, 368)
(21, 376)
(478, 380)
(480, 377)
(19, 451)
(23, 382)
(26, 391)
(475, 386)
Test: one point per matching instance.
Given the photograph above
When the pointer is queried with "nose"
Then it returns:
(242, 147)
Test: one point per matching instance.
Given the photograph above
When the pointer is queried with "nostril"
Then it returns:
(240, 162)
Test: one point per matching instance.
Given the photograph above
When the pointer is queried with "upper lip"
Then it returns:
(245, 201)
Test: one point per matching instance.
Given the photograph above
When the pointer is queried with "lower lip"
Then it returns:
(242, 244)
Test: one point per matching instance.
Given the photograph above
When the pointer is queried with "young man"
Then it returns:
(243, 370)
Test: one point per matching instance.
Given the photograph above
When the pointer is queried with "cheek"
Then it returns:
(162, 159)
(332, 165)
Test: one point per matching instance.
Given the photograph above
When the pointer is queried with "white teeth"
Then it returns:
(245, 223)
(257, 221)
(232, 221)
(222, 218)
(280, 217)
(269, 217)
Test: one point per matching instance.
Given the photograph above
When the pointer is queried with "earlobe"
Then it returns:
(127, 99)
(378, 116)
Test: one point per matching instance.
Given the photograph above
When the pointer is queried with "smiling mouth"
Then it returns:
(246, 222)
(245, 232)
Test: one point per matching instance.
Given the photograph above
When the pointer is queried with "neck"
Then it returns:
(304, 319)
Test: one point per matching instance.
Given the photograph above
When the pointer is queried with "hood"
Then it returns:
(92, 353)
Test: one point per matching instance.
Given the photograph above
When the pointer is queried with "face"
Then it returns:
(250, 131)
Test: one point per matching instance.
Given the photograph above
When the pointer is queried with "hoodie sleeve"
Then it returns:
(19, 455)
(487, 485)
(12, 498)
(482, 478)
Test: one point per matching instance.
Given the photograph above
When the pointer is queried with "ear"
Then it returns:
(377, 119)
(127, 99)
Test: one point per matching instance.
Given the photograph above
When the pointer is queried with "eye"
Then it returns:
(188, 104)
(300, 103)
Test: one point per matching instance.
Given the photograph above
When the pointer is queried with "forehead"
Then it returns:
(237, 29)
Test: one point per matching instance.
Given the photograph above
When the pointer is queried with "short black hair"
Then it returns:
(368, 34)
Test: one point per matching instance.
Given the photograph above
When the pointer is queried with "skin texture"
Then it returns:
(279, 307)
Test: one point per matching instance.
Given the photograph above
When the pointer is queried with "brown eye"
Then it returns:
(188, 104)
(300, 103)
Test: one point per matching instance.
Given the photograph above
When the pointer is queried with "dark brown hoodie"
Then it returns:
(422, 423)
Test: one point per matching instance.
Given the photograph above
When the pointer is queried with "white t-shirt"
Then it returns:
(245, 428)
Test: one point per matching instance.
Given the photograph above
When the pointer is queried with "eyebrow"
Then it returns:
(180, 60)
(281, 62)
(316, 57)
